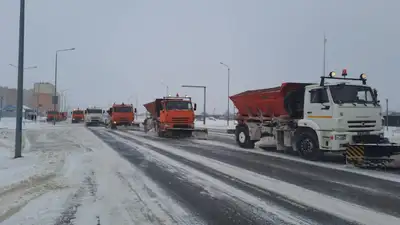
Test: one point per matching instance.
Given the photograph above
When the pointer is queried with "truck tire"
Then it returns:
(308, 147)
(243, 137)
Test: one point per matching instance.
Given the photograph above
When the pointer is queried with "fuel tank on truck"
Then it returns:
(284, 100)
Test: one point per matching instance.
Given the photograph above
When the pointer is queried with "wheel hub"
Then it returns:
(242, 137)
(307, 146)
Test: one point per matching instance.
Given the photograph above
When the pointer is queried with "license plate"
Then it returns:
(363, 133)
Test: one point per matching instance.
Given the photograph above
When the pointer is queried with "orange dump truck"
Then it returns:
(77, 116)
(52, 115)
(122, 115)
(173, 117)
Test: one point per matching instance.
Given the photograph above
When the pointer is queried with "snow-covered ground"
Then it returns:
(65, 167)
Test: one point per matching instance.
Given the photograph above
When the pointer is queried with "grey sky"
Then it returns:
(127, 47)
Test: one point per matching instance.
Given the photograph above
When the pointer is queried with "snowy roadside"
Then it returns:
(68, 175)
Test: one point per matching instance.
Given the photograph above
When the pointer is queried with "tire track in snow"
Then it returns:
(213, 209)
(150, 216)
(73, 202)
(377, 194)
(314, 215)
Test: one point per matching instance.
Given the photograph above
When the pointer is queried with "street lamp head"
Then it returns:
(72, 49)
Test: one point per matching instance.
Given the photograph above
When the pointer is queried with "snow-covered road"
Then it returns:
(74, 175)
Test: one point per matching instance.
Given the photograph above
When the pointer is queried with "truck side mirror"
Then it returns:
(375, 93)
(195, 107)
(71, 113)
(109, 112)
(103, 111)
(135, 110)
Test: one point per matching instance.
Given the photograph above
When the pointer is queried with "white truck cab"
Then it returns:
(342, 113)
(94, 116)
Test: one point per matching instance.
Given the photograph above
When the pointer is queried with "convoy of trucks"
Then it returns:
(339, 115)
(313, 119)
(173, 117)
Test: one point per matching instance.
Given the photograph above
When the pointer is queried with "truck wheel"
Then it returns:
(308, 146)
(243, 138)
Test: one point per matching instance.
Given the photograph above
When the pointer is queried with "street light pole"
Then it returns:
(205, 94)
(55, 97)
(18, 125)
(229, 77)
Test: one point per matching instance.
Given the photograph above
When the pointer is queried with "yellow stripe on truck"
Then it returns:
(320, 117)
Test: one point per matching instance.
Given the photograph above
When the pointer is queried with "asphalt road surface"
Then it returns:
(222, 184)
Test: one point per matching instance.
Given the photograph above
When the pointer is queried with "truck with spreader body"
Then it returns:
(312, 119)
(173, 117)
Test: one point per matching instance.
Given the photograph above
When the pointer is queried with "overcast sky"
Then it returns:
(127, 48)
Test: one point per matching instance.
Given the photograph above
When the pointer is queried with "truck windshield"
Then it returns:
(122, 109)
(351, 94)
(94, 111)
(77, 112)
(179, 105)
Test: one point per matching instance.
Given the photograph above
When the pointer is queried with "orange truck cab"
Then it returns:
(172, 116)
(122, 115)
(52, 115)
(77, 116)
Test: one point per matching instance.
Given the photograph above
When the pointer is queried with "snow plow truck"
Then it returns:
(77, 116)
(173, 117)
(343, 117)
(122, 115)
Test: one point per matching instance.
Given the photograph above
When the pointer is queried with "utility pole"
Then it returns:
(55, 97)
(324, 65)
(20, 90)
(205, 96)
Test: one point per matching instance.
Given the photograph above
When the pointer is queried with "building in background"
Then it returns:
(41, 97)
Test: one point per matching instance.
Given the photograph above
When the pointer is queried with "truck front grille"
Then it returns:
(183, 120)
(361, 124)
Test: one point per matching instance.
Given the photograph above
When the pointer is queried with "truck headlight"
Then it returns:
(340, 137)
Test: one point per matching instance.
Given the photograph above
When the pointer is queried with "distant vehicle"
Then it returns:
(93, 116)
(77, 116)
(52, 115)
(173, 117)
(122, 115)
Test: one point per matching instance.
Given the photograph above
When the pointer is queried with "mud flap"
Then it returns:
(371, 155)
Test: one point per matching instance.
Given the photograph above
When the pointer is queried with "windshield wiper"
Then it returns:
(362, 102)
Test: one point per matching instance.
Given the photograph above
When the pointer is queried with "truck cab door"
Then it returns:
(318, 108)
